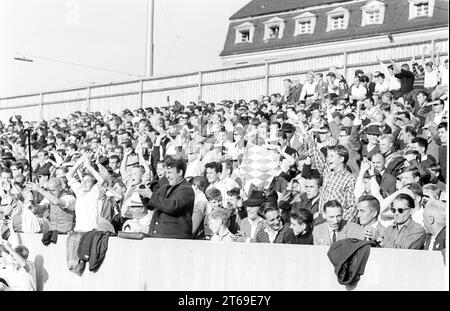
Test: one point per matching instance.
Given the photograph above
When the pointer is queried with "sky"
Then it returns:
(108, 34)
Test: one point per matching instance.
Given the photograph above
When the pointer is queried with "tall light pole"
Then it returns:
(149, 45)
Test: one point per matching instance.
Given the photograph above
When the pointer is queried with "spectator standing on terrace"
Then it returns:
(88, 204)
(173, 204)
(61, 205)
(339, 183)
(274, 231)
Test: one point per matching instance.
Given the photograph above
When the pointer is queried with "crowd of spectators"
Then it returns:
(362, 159)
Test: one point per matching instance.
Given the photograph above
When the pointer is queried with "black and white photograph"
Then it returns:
(224, 151)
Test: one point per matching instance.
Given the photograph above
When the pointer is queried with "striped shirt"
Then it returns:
(337, 185)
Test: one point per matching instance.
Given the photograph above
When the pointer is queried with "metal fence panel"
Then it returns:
(115, 104)
(159, 99)
(304, 65)
(233, 74)
(20, 101)
(247, 90)
(60, 110)
(171, 82)
(65, 95)
(115, 89)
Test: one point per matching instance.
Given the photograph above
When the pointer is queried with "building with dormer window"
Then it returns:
(290, 29)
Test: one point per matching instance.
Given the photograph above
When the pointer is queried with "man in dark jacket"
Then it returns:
(173, 204)
(406, 79)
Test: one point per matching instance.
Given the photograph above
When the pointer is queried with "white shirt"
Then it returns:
(254, 225)
(382, 87)
(331, 234)
(431, 79)
(393, 82)
(438, 117)
(358, 92)
(418, 217)
(307, 89)
(87, 207)
(430, 247)
(444, 75)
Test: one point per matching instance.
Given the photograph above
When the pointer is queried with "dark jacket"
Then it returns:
(439, 242)
(406, 80)
(349, 257)
(173, 207)
(305, 239)
(93, 246)
(283, 236)
(388, 184)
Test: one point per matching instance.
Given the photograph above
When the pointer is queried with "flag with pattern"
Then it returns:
(259, 165)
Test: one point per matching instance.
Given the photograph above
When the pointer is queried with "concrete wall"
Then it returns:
(165, 264)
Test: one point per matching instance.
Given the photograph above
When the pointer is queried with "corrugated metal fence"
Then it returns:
(245, 82)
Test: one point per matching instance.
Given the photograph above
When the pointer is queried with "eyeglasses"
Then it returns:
(399, 210)
(436, 105)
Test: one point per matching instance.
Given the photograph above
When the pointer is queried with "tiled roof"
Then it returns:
(262, 7)
(395, 21)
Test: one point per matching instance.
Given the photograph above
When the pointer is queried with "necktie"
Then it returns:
(333, 238)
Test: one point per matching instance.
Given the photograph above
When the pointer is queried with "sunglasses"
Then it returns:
(399, 210)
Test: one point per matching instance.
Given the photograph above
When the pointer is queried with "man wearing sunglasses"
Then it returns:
(404, 233)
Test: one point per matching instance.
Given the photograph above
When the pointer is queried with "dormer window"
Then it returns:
(274, 32)
(421, 8)
(305, 24)
(373, 13)
(337, 22)
(337, 19)
(244, 33)
(274, 28)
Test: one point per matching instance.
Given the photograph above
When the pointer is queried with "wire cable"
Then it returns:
(80, 65)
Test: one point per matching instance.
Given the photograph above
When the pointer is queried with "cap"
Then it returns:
(256, 198)
(373, 129)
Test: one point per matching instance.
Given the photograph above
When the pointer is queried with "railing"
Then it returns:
(243, 82)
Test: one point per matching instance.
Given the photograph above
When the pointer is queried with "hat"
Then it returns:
(288, 128)
(43, 171)
(323, 130)
(132, 160)
(256, 198)
(255, 121)
(8, 156)
(373, 130)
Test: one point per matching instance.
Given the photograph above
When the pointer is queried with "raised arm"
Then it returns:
(93, 171)
(48, 195)
(70, 174)
(317, 158)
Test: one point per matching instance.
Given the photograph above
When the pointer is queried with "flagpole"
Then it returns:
(149, 49)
